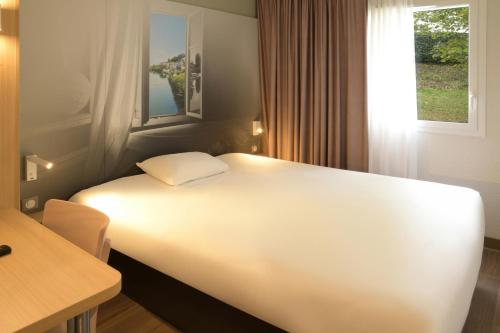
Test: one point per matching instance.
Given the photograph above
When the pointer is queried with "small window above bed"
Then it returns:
(172, 68)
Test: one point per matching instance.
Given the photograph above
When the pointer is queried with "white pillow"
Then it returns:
(177, 169)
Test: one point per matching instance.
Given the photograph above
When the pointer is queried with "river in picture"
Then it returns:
(161, 97)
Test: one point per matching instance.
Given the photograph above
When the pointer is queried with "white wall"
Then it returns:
(467, 161)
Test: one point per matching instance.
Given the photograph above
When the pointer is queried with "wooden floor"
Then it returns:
(484, 315)
(123, 315)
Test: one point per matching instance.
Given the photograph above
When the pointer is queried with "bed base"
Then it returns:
(184, 307)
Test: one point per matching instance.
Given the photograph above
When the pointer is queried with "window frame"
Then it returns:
(476, 125)
(142, 120)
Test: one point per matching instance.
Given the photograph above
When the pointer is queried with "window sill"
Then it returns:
(448, 128)
(163, 122)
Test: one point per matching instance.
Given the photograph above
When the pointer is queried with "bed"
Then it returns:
(306, 248)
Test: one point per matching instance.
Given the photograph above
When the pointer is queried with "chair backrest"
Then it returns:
(81, 225)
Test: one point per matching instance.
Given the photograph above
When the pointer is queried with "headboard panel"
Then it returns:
(92, 99)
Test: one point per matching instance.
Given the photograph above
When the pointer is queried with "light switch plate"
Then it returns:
(30, 204)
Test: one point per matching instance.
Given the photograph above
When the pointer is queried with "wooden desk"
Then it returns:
(47, 280)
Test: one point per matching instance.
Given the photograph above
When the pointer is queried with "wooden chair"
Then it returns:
(84, 227)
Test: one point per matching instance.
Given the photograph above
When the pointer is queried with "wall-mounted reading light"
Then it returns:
(32, 163)
(257, 128)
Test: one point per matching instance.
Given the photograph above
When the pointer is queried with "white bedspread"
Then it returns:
(306, 248)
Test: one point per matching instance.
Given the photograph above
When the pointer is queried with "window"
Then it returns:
(172, 69)
(449, 50)
(167, 65)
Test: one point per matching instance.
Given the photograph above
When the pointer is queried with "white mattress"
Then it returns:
(306, 248)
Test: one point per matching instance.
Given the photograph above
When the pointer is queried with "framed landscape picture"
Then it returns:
(167, 65)
(173, 64)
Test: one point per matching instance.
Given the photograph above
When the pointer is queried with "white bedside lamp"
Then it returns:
(257, 128)
(32, 163)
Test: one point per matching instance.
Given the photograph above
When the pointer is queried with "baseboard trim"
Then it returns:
(492, 243)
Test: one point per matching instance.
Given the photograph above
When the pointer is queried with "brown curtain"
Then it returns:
(313, 81)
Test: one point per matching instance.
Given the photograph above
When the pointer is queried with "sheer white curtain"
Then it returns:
(117, 80)
(392, 94)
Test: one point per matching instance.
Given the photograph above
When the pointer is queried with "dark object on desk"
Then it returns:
(5, 250)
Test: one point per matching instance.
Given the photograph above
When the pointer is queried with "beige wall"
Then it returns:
(241, 7)
(467, 161)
